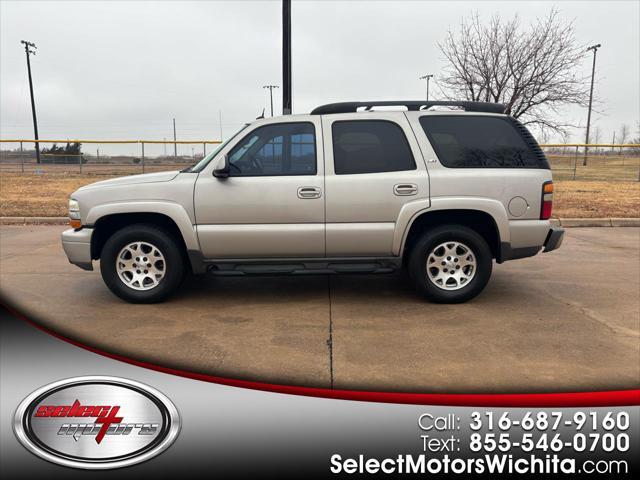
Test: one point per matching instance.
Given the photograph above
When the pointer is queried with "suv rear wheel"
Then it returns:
(450, 264)
(142, 264)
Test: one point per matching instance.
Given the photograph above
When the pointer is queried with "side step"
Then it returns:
(294, 266)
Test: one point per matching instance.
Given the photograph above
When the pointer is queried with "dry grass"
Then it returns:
(592, 199)
(39, 195)
(46, 196)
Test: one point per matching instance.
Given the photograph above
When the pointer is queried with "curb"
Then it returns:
(563, 222)
(599, 222)
(34, 220)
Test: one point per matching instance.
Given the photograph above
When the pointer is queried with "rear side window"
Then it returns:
(370, 146)
(481, 141)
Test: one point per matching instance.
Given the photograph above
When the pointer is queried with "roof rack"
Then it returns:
(412, 105)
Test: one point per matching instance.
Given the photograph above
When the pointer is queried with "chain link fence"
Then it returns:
(102, 157)
(594, 162)
(125, 157)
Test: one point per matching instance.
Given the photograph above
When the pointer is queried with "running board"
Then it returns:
(302, 266)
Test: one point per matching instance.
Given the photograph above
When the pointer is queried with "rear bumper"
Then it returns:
(77, 246)
(554, 239)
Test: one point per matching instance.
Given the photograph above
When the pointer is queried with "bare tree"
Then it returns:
(533, 70)
(624, 133)
(597, 136)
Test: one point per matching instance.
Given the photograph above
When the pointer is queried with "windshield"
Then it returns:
(204, 162)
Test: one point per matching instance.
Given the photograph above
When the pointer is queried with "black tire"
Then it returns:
(417, 264)
(174, 265)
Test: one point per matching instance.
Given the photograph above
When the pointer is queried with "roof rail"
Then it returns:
(412, 105)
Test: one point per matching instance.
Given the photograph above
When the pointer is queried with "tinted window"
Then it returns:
(370, 146)
(279, 149)
(482, 141)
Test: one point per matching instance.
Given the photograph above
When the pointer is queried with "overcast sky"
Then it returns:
(113, 70)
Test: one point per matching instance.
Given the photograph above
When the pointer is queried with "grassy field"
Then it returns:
(46, 196)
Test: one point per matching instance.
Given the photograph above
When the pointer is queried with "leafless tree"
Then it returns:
(597, 136)
(532, 70)
(624, 133)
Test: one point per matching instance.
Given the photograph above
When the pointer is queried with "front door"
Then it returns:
(272, 204)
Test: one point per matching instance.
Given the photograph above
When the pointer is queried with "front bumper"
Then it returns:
(77, 246)
(554, 239)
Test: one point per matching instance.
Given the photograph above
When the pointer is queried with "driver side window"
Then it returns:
(278, 149)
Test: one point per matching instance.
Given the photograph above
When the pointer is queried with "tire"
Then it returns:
(159, 268)
(463, 251)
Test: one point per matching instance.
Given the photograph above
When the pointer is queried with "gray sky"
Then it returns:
(112, 70)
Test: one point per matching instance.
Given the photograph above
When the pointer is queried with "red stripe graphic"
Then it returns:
(541, 400)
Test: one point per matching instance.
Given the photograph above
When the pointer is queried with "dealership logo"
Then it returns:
(96, 422)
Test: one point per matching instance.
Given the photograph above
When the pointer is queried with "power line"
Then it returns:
(30, 49)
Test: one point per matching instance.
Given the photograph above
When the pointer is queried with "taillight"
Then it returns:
(547, 200)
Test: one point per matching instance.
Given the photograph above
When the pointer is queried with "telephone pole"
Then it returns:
(30, 49)
(427, 78)
(175, 145)
(271, 87)
(594, 48)
(286, 58)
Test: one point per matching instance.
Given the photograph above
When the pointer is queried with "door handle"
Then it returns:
(309, 192)
(405, 189)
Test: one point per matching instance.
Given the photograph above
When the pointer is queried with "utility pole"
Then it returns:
(175, 145)
(30, 49)
(271, 87)
(427, 78)
(286, 58)
(594, 48)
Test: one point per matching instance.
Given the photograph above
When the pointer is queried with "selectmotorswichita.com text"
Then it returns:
(420, 464)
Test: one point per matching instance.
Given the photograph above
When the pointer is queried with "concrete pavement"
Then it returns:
(564, 321)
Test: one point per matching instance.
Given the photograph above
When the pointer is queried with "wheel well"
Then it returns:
(481, 222)
(109, 224)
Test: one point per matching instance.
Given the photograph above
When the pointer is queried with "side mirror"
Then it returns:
(221, 169)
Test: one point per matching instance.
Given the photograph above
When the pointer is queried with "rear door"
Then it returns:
(374, 168)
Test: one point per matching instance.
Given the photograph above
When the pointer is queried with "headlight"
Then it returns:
(74, 213)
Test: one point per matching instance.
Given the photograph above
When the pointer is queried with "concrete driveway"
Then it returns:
(563, 321)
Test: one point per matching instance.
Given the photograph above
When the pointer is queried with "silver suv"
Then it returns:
(354, 187)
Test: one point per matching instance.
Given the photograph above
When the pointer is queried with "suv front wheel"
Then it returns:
(142, 264)
(450, 264)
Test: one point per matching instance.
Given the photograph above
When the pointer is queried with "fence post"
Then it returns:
(80, 162)
(142, 161)
(575, 163)
(204, 149)
(21, 158)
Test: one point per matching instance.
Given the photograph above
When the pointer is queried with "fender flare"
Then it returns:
(173, 210)
(409, 214)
